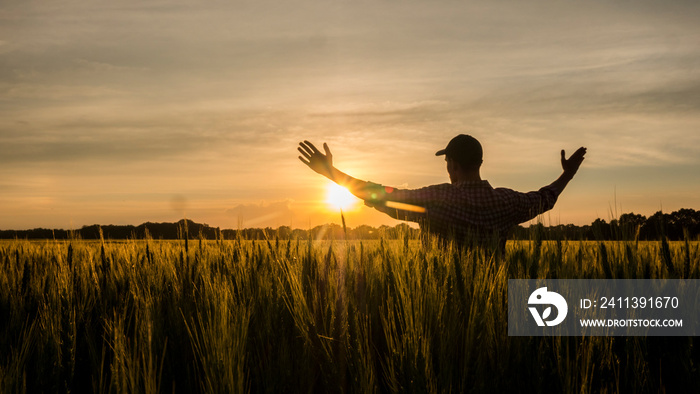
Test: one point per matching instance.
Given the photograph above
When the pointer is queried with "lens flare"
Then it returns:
(340, 198)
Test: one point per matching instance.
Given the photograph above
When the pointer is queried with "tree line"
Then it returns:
(191, 230)
(678, 225)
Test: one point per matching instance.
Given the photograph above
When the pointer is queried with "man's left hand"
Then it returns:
(317, 161)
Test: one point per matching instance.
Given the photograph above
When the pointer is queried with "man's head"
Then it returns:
(465, 150)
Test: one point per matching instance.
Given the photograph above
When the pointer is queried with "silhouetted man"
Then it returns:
(468, 210)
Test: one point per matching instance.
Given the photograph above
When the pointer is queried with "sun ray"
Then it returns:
(340, 198)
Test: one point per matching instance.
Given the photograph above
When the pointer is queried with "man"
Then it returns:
(468, 210)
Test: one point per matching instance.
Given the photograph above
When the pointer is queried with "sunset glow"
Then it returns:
(149, 111)
(340, 198)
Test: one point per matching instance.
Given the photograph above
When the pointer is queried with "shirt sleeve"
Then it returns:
(402, 204)
(400, 214)
(527, 206)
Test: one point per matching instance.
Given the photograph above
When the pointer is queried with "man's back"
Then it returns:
(470, 212)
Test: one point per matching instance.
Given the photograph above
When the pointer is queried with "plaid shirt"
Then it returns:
(471, 211)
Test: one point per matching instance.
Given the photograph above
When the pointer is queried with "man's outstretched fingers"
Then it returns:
(578, 155)
(310, 147)
(305, 153)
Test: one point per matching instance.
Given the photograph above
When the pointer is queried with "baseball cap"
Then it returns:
(464, 149)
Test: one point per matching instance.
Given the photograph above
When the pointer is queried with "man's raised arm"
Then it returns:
(323, 164)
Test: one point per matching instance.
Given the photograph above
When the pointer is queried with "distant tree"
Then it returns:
(631, 224)
(330, 231)
(300, 234)
(284, 232)
(682, 221)
(365, 232)
(655, 226)
(400, 231)
(600, 229)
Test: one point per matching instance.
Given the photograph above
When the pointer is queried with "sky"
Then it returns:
(135, 111)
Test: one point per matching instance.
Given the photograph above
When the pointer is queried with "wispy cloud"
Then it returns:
(221, 92)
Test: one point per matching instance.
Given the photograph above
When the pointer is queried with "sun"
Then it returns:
(340, 198)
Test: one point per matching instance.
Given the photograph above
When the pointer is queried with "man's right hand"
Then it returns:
(317, 161)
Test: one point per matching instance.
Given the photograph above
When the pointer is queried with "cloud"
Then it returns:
(56, 92)
(128, 133)
(221, 93)
(102, 67)
(558, 100)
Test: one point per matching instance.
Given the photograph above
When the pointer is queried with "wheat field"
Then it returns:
(233, 316)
